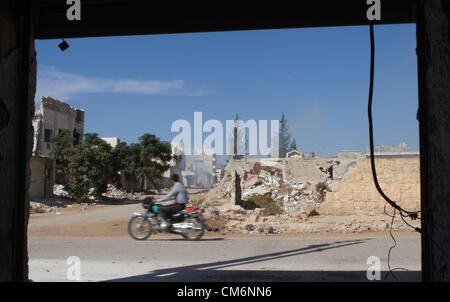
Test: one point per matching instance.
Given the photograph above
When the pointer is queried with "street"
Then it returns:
(222, 258)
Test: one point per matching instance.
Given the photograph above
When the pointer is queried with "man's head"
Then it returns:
(174, 178)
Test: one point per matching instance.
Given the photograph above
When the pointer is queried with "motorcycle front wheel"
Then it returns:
(139, 227)
(197, 234)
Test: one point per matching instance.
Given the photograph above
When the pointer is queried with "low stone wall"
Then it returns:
(399, 177)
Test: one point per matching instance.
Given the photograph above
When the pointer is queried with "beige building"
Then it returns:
(52, 117)
(41, 178)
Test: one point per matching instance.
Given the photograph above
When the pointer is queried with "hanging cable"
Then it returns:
(412, 214)
(391, 270)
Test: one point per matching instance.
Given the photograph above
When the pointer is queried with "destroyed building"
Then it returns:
(52, 117)
(340, 185)
(200, 170)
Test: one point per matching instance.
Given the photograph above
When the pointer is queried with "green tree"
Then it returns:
(132, 162)
(90, 166)
(284, 137)
(87, 167)
(78, 185)
(119, 162)
(61, 148)
(154, 158)
(98, 156)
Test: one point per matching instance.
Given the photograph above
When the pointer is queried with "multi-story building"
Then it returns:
(52, 117)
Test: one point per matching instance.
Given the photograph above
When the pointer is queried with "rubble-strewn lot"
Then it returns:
(281, 196)
(299, 188)
(294, 185)
(60, 199)
(235, 219)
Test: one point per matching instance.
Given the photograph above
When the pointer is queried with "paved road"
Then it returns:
(249, 258)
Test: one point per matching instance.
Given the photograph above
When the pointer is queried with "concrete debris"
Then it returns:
(293, 195)
(111, 192)
(295, 182)
(58, 190)
(253, 223)
(252, 181)
(114, 193)
(301, 186)
(310, 210)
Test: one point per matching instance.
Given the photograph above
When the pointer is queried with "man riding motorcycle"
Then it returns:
(179, 193)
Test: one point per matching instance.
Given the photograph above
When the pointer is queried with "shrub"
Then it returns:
(269, 206)
(240, 211)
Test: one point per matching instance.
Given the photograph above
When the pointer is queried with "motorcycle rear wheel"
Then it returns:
(198, 234)
(140, 224)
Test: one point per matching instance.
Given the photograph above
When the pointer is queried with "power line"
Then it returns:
(412, 214)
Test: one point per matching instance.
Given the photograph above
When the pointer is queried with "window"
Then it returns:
(79, 117)
(47, 135)
(76, 137)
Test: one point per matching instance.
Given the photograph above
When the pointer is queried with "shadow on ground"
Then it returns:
(184, 240)
(221, 271)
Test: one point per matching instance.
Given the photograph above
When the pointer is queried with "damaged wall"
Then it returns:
(399, 177)
(298, 182)
(290, 181)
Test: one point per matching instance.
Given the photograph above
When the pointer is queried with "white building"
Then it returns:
(200, 170)
(112, 141)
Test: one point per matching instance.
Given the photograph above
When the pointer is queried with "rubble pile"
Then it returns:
(293, 196)
(115, 193)
(58, 190)
(221, 190)
(111, 192)
(238, 220)
(298, 186)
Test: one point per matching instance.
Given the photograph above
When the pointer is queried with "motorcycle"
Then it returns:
(188, 223)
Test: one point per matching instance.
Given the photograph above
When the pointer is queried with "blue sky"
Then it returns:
(318, 77)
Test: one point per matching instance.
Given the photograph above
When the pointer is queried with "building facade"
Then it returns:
(52, 117)
(200, 170)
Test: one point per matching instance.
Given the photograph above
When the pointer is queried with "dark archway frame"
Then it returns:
(46, 19)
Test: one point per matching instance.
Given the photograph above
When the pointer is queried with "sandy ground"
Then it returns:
(112, 220)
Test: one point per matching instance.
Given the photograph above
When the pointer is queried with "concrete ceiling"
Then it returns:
(141, 17)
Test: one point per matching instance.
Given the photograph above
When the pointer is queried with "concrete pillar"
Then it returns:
(17, 88)
(433, 50)
(236, 194)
